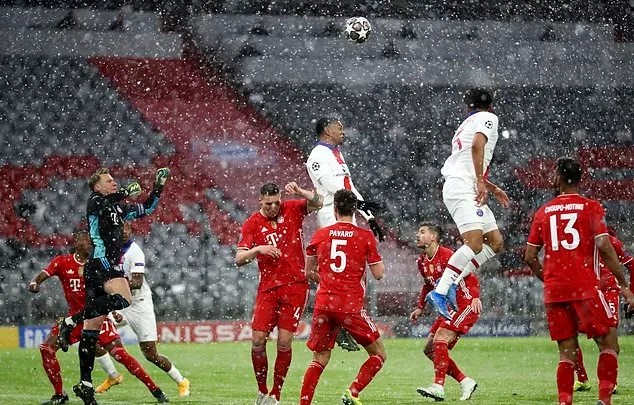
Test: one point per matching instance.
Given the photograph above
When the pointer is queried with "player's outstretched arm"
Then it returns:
(367, 209)
(315, 200)
(532, 260)
(34, 285)
(245, 256)
(498, 193)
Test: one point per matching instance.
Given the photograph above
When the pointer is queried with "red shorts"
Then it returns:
(592, 317)
(280, 306)
(107, 334)
(326, 326)
(461, 321)
(613, 298)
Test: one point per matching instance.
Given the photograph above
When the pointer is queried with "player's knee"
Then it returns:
(429, 352)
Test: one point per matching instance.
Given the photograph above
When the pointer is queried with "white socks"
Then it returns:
(462, 260)
(107, 365)
(175, 374)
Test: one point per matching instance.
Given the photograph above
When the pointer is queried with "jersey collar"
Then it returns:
(126, 246)
(326, 144)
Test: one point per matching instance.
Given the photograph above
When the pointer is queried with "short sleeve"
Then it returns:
(535, 235)
(311, 249)
(597, 220)
(53, 267)
(486, 123)
(317, 165)
(623, 256)
(373, 253)
(137, 260)
(247, 236)
(298, 207)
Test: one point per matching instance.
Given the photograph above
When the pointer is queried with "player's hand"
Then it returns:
(501, 196)
(34, 287)
(376, 229)
(269, 250)
(292, 188)
(162, 175)
(415, 314)
(117, 316)
(476, 305)
(132, 190)
(481, 192)
(369, 207)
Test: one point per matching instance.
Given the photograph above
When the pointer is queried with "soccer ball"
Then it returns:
(358, 29)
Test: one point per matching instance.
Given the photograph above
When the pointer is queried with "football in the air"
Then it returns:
(358, 29)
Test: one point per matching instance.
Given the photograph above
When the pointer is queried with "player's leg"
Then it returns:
(264, 319)
(607, 366)
(322, 338)
(150, 352)
(440, 344)
(568, 349)
(582, 383)
(312, 374)
(51, 366)
(113, 377)
(291, 299)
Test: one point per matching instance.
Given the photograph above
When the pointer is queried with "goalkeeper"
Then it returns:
(329, 172)
(107, 289)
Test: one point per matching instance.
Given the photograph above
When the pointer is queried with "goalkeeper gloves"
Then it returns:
(628, 314)
(131, 190)
(376, 229)
(368, 207)
(162, 175)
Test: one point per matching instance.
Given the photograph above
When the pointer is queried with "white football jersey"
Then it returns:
(134, 262)
(329, 172)
(460, 163)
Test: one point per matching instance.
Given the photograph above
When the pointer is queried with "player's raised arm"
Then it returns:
(315, 200)
(498, 193)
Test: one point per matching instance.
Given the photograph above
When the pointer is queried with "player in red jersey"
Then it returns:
(572, 230)
(612, 293)
(336, 259)
(444, 333)
(69, 270)
(273, 235)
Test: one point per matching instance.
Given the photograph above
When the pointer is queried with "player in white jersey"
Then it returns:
(465, 194)
(329, 172)
(140, 314)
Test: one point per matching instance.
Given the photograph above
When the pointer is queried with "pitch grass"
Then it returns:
(508, 371)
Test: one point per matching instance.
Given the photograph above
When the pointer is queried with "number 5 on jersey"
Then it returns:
(337, 255)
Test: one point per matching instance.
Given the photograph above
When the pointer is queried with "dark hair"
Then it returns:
(478, 98)
(435, 228)
(570, 170)
(96, 176)
(269, 189)
(80, 232)
(323, 122)
(345, 202)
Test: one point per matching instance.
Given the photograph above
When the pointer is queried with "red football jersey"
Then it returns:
(71, 275)
(607, 280)
(284, 232)
(342, 251)
(432, 269)
(566, 227)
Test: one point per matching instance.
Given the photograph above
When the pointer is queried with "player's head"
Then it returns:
(330, 129)
(270, 200)
(568, 172)
(82, 243)
(127, 231)
(102, 182)
(478, 99)
(428, 233)
(345, 203)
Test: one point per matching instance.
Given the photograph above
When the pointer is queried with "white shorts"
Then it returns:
(459, 198)
(140, 316)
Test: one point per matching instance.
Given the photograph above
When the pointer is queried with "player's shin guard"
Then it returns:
(51, 367)
(441, 362)
(87, 345)
(309, 384)
(607, 370)
(133, 366)
(260, 367)
(455, 266)
(282, 363)
(366, 373)
(484, 256)
(565, 381)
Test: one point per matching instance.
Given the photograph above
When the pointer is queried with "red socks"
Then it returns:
(441, 362)
(282, 363)
(565, 381)
(51, 367)
(133, 367)
(366, 373)
(260, 367)
(311, 378)
(580, 369)
(607, 370)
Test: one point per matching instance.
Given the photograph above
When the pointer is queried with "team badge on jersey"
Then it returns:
(315, 166)
(479, 212)
(280, 219)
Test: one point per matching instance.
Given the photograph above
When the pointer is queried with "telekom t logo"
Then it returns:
(75, 283)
